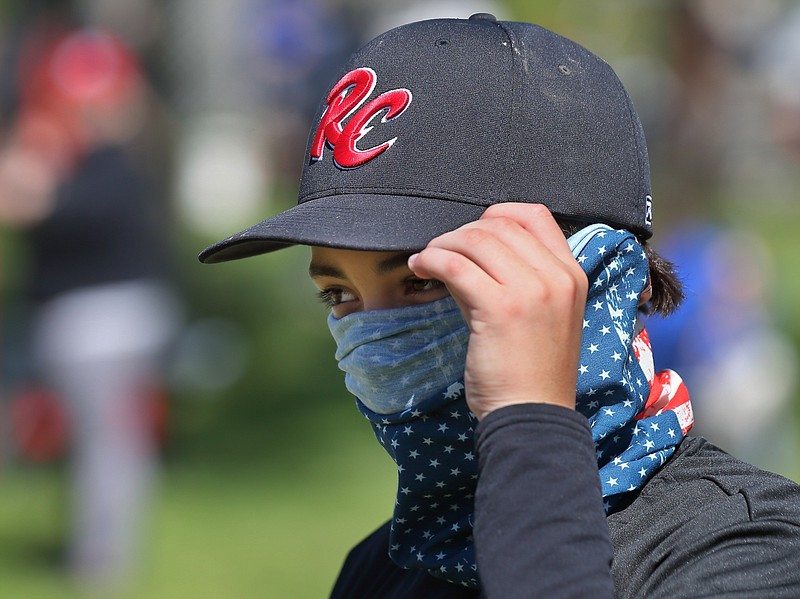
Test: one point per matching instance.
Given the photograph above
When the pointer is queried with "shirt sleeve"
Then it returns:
(540, 528)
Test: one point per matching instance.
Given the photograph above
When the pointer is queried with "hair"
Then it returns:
(665, 284)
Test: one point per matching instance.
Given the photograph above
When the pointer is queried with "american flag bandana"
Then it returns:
(637, 417)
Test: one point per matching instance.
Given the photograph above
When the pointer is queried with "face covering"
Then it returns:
(406, 369)
(637, 416)
(394, 359)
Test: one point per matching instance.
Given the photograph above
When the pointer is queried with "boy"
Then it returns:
(501, 365)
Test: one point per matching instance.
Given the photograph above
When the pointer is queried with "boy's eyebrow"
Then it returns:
(323, 270)
(384, 266)
(393, 262)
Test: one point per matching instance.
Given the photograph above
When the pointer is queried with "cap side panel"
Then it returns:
(580, 156)
(645, 190)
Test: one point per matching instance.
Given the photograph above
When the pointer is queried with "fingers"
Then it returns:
(538, 221)
(499, 246)
(523, 295)
(511, 245)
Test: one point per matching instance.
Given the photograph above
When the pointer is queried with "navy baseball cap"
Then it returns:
(434, 121)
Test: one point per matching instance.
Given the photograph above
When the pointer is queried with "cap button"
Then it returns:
(482, 16)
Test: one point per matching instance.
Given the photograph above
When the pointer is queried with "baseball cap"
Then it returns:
(432, 122)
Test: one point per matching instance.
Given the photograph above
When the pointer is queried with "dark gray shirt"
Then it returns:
(706, 525)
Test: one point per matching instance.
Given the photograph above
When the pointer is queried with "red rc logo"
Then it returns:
(344, 100)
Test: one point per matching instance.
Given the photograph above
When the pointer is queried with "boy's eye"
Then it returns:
(333, 296)
(415, 285)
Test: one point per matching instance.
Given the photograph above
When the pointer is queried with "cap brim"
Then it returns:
(353, 221)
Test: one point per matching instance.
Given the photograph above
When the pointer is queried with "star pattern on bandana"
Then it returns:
(433, 448)
(615, 372)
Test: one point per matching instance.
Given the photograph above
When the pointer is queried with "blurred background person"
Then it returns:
(104, 311)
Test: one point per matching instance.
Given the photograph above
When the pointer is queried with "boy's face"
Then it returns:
(354, 281)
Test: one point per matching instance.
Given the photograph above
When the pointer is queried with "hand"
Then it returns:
(523, 295)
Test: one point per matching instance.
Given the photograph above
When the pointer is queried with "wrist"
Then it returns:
(482, 407)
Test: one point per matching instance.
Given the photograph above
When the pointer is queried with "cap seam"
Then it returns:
(510, 166)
